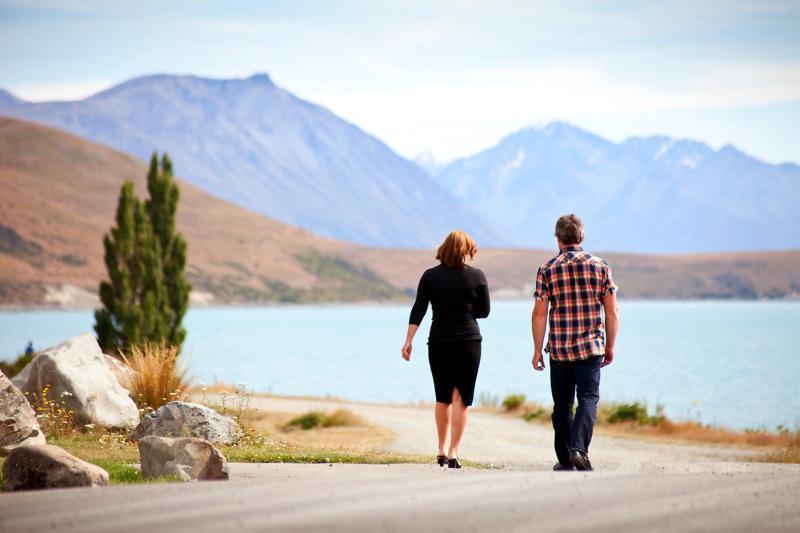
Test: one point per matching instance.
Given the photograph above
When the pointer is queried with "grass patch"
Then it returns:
(512, 402)
(534, 412)
(633, 419)
(99, 446)
(342, 418)
(631, 412)
(287, 453)
(313, 419)
(306, 421)
(125, 474)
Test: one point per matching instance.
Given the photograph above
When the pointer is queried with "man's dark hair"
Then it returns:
(569, 229)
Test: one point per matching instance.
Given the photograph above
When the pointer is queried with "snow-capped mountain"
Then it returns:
(654, 194)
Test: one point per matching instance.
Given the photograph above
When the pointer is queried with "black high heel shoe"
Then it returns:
(453, 463)
(441, 459)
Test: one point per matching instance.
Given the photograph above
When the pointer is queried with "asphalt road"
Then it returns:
(421, 498)
(639, 485)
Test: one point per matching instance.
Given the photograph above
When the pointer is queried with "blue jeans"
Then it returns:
(567, 377)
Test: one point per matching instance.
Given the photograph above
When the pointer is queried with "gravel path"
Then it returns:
(511, 442)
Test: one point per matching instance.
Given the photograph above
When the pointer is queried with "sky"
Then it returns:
(446, 77)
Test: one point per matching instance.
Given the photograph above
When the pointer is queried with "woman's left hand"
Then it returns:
(406, 351)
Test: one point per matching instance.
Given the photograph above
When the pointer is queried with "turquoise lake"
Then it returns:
(733, 364)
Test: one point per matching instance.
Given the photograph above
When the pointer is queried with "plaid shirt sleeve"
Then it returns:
(609, 287)
(542, 292)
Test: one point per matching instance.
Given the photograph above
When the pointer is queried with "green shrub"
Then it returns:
(312, 419)
(512, 402)
(533, 412)
(632, 412)
(308, 420)
(12, 368)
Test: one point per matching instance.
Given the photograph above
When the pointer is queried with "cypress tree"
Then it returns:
(117, 322)
(162, 208)
(146, 295)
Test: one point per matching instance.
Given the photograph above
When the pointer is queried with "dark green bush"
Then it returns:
(632, 412)
(533, 412)
(308, 420)
(513, 402)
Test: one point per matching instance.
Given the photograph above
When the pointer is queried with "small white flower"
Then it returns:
(66, 393)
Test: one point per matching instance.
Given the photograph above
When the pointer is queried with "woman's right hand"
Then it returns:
(406, 351)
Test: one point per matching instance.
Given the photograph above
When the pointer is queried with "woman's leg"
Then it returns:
(442, 411)
(459, 422)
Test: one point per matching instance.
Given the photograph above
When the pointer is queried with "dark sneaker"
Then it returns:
(580, 460)
(558, 467)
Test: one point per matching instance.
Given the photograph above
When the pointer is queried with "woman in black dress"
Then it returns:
(458, 294)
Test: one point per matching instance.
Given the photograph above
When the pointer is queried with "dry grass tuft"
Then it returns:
(158, 377)
(342, 418)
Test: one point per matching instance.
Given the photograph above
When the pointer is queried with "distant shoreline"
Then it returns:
(34, 308)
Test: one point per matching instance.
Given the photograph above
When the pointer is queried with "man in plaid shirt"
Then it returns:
(579, 290)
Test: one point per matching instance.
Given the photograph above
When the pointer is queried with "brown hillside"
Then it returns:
(512, 272)
(59, 195)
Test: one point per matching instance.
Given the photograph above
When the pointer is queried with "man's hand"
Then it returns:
(608, 357)
(538, 362)
(406, 351)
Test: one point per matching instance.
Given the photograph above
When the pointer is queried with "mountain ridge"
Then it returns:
(645, 194)
(256, 144)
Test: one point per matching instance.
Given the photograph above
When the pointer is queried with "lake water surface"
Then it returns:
(735, 364)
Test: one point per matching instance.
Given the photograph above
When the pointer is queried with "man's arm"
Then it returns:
(538, 327)
(612, 325)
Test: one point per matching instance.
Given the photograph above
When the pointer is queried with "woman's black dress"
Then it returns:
(458, 298)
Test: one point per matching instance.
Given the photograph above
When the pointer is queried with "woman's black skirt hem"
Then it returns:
(454, 365)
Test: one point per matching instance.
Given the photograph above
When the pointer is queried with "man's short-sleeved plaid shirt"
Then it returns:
(575, 284)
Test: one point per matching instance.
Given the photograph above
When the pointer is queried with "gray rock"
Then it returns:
(18, 424)
(188, 458)
(184, 419)
(77, 371)
(49, 467)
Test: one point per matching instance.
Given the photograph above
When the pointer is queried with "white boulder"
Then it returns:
(18, 424)
(77, 372)
(187, 458)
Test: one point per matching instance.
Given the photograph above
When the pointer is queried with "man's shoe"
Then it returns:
(558, 467)
(580, 460)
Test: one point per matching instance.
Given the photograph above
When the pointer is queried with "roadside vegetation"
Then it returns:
(12, 368)
(157, 375)
(635, 419)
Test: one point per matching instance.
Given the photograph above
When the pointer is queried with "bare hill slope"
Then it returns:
(59, 194)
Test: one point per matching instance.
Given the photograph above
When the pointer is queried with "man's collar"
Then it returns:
(571, 248)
